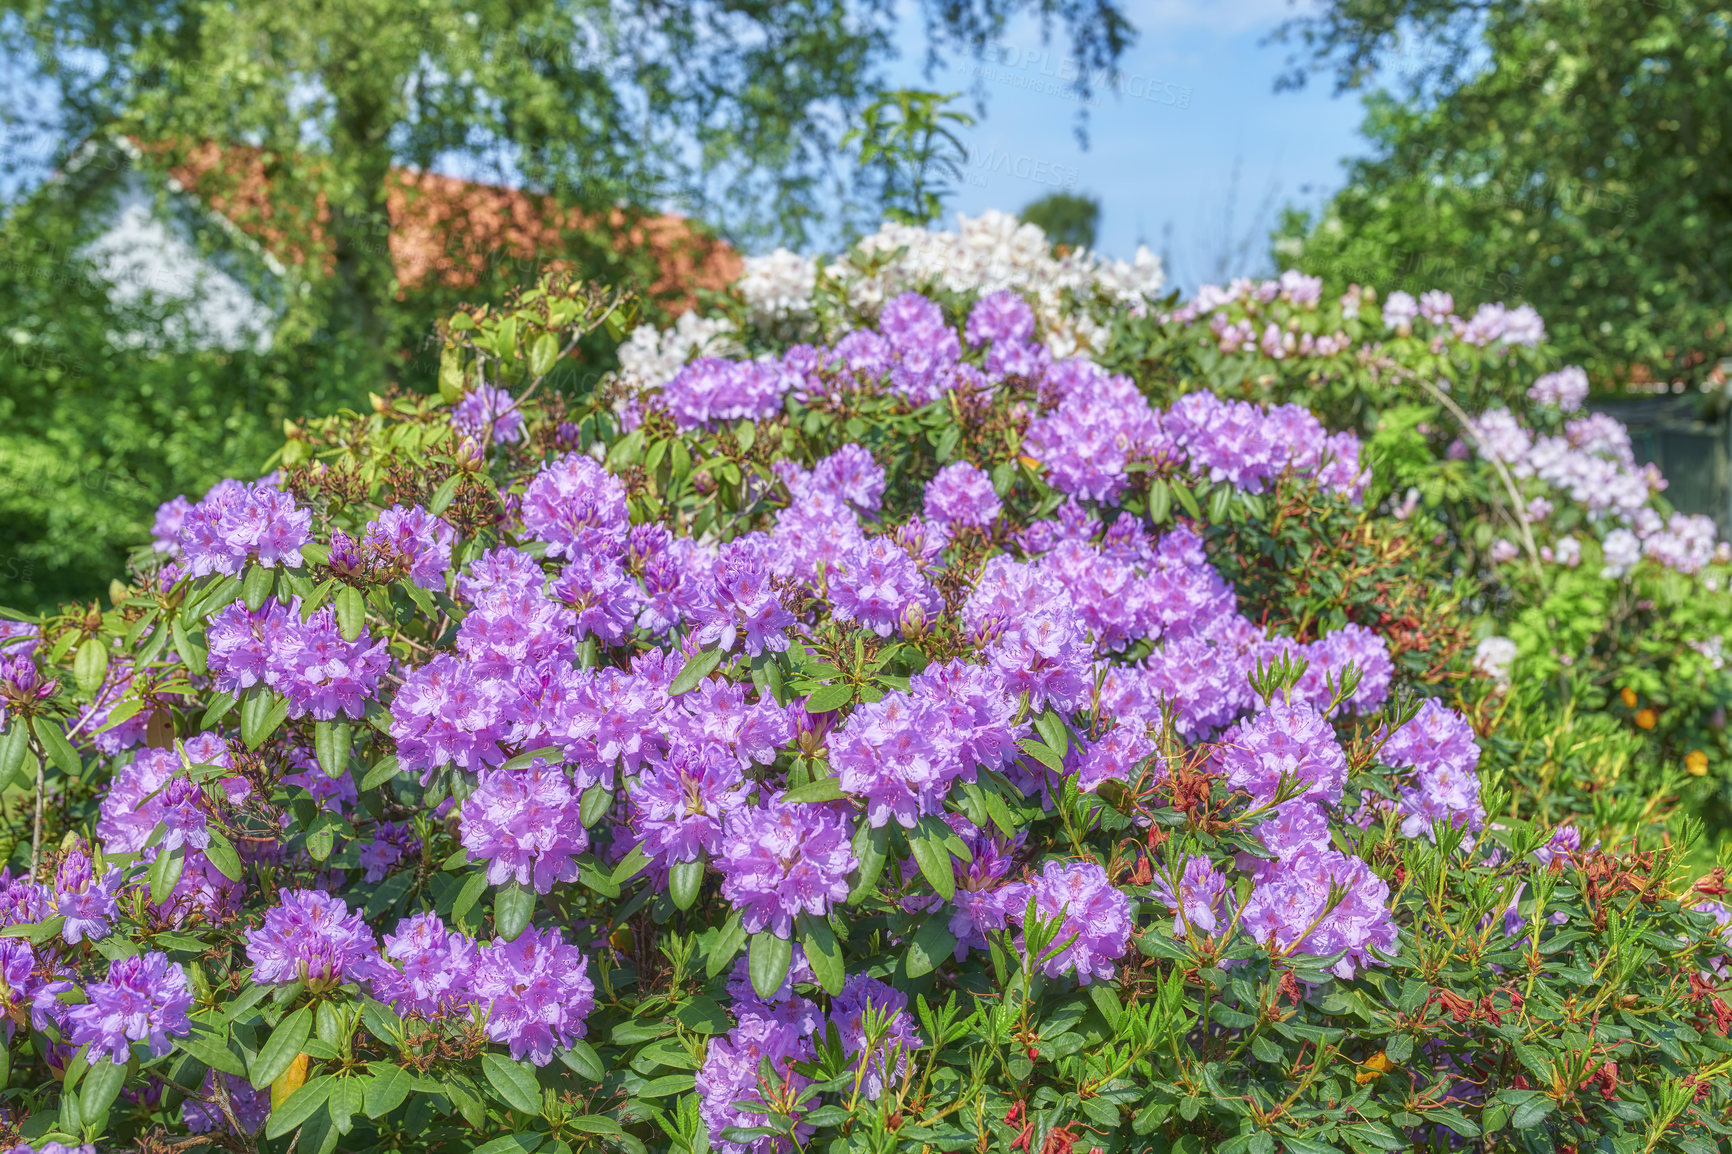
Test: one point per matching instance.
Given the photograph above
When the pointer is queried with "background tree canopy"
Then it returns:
(730, 112)
(1569, 153)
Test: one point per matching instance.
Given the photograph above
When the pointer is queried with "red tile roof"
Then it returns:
(447, 230)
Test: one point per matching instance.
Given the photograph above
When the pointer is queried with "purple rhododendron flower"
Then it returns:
(524, 824)
(537, 992)
(1095, 929)
(784, 858)
(310, 937)
(427, 969)
(577, 507)
(962, 494)
(145, 999)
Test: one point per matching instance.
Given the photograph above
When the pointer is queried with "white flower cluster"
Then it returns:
(651, 356)
(1494, 656)
(986, 253)
(778, 287)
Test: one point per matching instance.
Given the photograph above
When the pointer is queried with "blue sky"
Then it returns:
(1199, 101)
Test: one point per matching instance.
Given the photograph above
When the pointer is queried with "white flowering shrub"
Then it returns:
(866, 722)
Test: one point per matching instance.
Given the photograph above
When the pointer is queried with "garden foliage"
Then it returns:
(870, 722)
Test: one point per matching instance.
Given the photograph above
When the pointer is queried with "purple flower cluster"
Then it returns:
(311, 937)
(577, 508)
(486, 411)
(306, 660)
(1028, 628)
(962, 494)
(783, 858)
(880, 587)
(145, 999)
(902, 754)
(1094, 917)
(524, 824)
(427, 969)
(537, 992)
(1201, 904)
(1099, 427)
(711, 391)
(237, 523)
(1565, 389)
(1290, 909)
(1438, 745)
(417, 541)
(1248, 446)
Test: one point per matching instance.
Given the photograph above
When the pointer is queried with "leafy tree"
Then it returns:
(1569, 153)
(909, 152)
(1068, 218)
(726, 107)
(731, 111)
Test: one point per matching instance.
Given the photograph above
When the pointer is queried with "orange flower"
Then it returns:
(1646, 718)
(1697, 763)
(1628, 697)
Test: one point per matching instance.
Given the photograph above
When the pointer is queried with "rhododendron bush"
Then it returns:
(863, 722)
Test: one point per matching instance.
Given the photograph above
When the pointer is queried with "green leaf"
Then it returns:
(696, 668)
(728, 942)
(591, 874)
(91, 665)
(213, 1051)
(389, 892)
(704, 1015)
(221, 854)
(165, 872)
(261, 712)
(543, 354)
(14, 748)
(594, 804)
(1160, 501)
(1531, 1112)
(823, 951)
(829, 698)
(1220, 500)
(383, 770)
(685, 880)
(516, 1087)
(871, 850)
(512, 1144)
(932, 945)
(281, 1047)
(823, 789)
(256, 586)
(630, 865)
(666, 1084)
(351, 612)
(928, 841)
(191, 652)
(513, 906)
(101, 1087)
(219, 707)
(1043, 753)
(1187, 501)
(1052, 731)
(331, 743)
(582, 1060)
(768, 963)
(299, 1106)
(442, 496)
(55, 745)
(473, 887)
